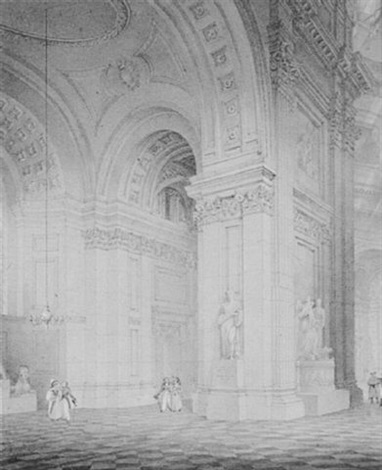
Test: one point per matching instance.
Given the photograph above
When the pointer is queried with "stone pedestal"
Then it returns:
(16, 404)
(225, 399)
(317, 390)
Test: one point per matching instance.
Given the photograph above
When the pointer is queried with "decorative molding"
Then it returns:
(343, 130)
(284, 69)
(260, 199)
(173, 171)
(312, 204)
(199, 10)
(227, 82)
(117, 238)
(25, 141)
(210, 32)
(311, 227)
(124, 75)
(168, 323)
(122, 11)
(219, 57)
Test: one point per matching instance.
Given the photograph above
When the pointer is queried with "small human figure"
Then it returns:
(373, 383)
(67, 394)
(176, 395)
(229, 320)
(58, 408)
(164, 395)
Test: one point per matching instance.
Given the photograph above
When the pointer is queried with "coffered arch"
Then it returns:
(222, 98)
(24, 84)
(136, 135)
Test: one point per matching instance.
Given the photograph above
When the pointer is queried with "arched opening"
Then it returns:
(162, 171)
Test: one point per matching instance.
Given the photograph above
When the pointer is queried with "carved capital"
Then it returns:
(255, 200)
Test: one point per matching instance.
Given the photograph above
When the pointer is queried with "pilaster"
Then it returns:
(235, 217)
(285, 74)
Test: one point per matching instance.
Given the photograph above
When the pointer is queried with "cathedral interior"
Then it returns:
(191, 189)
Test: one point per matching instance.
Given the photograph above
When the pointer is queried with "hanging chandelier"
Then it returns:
(45, 316)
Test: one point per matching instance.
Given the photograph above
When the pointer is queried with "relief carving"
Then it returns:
(199, 10)
(124, 76)
(259, 199)
(25, 142)
(227, 82)
(219, 57)
(109, 239)
(210, 32)
(283, 66)
(307, 149)
(311, 227)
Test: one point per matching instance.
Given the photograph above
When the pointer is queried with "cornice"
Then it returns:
(313, 205)
(300, 18)
(227, 184)
(118, 238)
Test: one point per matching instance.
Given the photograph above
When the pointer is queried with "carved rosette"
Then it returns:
(257, 200)
(312, 228)
(110, 239)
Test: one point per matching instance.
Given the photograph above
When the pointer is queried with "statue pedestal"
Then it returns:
(225, 399)
(228, 398)
(317, 390)
(16, 404)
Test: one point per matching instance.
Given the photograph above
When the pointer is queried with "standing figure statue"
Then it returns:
(308, 338)
(312, 318)
(230, 319)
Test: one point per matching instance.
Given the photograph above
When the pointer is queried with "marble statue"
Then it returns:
(311, 322)
(230, 319)
(22, 385)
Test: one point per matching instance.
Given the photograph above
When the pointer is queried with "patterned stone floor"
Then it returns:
(144, 439)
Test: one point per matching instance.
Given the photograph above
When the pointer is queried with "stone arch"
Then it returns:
(220, 38)
(24, 83)
(133, 137)
(24, 141)
(225, 99)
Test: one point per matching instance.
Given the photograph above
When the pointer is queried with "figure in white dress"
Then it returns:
(164, 395)
(176, 395)
(58, 407)
(230, 319)
(68, 395)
